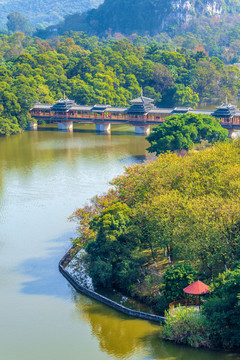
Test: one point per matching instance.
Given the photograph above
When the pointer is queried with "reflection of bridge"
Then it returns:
(140, 114)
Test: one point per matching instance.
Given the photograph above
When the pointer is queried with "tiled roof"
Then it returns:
(225, 111)
(81, 108)
(140, 106)
(63, 105)
(197, 288)
(142, 100)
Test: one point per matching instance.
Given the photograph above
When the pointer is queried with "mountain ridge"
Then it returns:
(40, 12)
(146, 16)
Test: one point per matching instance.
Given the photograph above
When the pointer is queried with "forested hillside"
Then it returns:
(42, 13)
(211, 26)
(106, 72)
(148, 16)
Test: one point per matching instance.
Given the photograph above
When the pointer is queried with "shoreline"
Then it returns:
(94, 295)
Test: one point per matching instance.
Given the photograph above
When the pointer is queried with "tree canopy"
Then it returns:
(187, 207)
(181, 132)
(90, 71)
(17, 22)
(223, 310)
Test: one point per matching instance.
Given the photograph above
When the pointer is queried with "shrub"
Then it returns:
(223, 310)
(101, 273)
(126, 273)
(187, 326)
(175, 279)
(161, 305)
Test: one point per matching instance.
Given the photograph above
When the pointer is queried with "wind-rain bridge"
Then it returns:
(141, 114)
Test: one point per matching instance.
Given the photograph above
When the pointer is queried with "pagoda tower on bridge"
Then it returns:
(141, 106)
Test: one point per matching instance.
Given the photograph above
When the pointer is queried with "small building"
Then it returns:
(198, 288)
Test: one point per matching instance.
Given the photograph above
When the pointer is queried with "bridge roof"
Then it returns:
(63, 105)
(181, 110)
(142, 100)
(140, 106)
(100, 108)
(42, 106)
(225, 111)
(117, 109)
(161, 111)
(81, 108)
(205, 112)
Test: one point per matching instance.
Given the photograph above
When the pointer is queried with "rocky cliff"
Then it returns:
(147, 16)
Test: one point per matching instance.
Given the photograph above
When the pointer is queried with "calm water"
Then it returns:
(44, 176)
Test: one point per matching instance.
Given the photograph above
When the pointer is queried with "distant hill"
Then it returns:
(44, 12)
(146, 16)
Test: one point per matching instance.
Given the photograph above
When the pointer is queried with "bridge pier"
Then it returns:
(233, 133)
(236, 134)
(32, 126)
(142, 130)
(67, 126)
(103, 128)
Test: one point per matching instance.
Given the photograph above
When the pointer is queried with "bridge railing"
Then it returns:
(54, 116)
(88, 115)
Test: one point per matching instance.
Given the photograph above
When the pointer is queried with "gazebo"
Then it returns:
(198, 288)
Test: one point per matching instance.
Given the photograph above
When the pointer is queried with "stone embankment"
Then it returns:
(137, 314)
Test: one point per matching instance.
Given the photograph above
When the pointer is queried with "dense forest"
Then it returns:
(214, 35)
(90, 70)
(212, 26)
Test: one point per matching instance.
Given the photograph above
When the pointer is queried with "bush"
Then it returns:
(101, 273)
(161, 305)
(9, 126)
(187, 326)
(175, 279)
(223, 310)
(126, 273)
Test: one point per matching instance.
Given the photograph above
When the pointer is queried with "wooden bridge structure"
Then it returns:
(141, 114)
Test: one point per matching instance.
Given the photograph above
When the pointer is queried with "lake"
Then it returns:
(44, 177)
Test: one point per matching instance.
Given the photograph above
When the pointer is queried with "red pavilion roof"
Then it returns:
(197, 288)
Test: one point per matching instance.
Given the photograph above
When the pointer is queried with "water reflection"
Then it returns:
(159, 349)
(46, 279)
(26, 150)
(132, 160)
(88, 128)
(123, 337)
(118, 335)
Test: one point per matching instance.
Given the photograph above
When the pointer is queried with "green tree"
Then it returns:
(184, 96)
(9, 126)
(101, 273)
(223, 310)
(115, 252)
(181, 132)
(17, 22)
(161, 78)
(175, 279)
